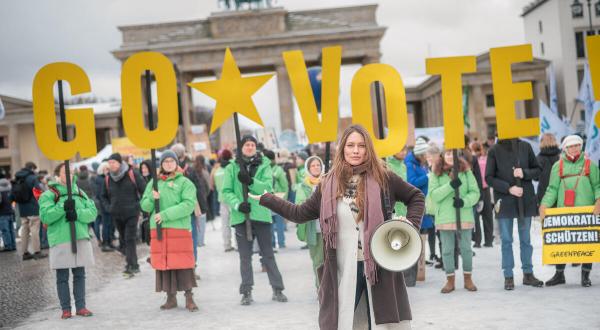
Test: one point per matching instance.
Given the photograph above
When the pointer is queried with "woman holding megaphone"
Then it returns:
(350, 202)
(442, 184)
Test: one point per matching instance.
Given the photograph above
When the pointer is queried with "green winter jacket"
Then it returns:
(232, 191)
(280, 182)
(588, 188)
(219, 175)
(300, 174)
(399, 168)
(177, 202)
(53, 214)
(306, 232)
(442, 194)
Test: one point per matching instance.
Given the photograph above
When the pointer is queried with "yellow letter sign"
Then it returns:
(506, 92)
(44, 113)
(324, 130)
(593, 47)
(450, 69)
(395, 105)
(131, 92)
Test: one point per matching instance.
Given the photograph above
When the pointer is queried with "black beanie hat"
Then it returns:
(116, 156)
(247, 138)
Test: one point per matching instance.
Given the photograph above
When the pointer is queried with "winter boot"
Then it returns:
(247, 298)
(171, 301)
(558, 278)
(279, 296)
(509, 283)
(189, 301)
(585, 278)
(449, 287)
(469, 285)
(39, 255)
(530, 279)
(66, 314)
(84, 312)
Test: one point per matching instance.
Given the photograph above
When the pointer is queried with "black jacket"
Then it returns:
(122, 199)
(6, 198)
(200, 183)
(499, 175)
(546, 158)
(31, 208)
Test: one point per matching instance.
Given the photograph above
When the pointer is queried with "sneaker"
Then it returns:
(135, 269)
(477, 245)
(247, 299)
(66, 315)
(128, 272)
(558, 278)
(279, 296)
(27, 256)
(530, 279)
(509, 283)
(585, 279)
(84, 312)
(39, 255)
(106, 248)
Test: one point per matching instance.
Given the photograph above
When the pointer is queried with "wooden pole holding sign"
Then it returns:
(455, 169)
(69, 201)
(151, 126)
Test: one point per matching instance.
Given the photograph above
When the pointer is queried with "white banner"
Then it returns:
(551, 123)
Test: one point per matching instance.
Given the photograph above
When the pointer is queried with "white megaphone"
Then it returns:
(396, 245)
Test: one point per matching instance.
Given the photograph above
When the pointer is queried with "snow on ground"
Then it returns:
(129, 304)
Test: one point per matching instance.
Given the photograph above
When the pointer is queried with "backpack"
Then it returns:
(21, 190)
(131, 177)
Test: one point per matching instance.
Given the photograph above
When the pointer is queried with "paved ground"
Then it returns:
(132, 303)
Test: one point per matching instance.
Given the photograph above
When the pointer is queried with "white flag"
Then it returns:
(551, 123)
(2, 112)
(553, 95)
(592, 146)
(586, 96)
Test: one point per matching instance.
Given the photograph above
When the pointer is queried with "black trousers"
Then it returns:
(586, 267)
(487, 217)
(127, 228)
(361, 286)
(261, 231)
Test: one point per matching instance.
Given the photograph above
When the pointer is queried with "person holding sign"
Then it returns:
(349, 205)
(441, 188)
(53, 213)
(173, 255)
(511, 166)
(574, 181)
(258, 177)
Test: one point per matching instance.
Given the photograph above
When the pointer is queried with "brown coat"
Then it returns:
(390, 299)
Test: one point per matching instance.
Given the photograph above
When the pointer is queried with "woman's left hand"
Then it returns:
(157, 218)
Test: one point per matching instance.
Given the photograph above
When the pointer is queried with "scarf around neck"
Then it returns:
(372, 213)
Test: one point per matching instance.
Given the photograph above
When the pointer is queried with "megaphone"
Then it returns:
(396, 245)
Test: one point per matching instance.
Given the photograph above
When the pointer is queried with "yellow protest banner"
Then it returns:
(125, 147)
(570, 235)
(593, 46)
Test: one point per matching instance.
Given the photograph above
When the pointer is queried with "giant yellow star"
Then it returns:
(232, 93)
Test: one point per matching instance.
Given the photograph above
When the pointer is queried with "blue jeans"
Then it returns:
(506, 235)
(43, 237)
(62, 286)
(107, 229)
(201, 229)
(279, 228)
(96, 227)
(7, 229)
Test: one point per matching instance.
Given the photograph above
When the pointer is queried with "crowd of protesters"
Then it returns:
(115, 200)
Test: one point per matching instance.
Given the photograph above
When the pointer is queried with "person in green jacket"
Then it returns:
(441, 190)
(310, 232)
(216, 177)
(58, 214)
(173, 256)
(397, 165)
(258, 177)
(280, 187)
(581, 175)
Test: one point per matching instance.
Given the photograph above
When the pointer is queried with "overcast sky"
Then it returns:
(36, 32)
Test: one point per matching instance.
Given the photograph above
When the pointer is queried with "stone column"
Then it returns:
(539, 94)
(476, 112)
(286, 104)
(15, 151)
(187, 106)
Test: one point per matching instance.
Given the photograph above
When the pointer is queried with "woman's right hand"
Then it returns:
(155, 194)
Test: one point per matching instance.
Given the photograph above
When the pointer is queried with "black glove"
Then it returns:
(458, 203)
(244, 207)
(455, 183)
(69, 207)
(245, 178)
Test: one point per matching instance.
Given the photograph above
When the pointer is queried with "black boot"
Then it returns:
(279, 296)
(558, 278)
(529, 279)
(247, 298)
(585, 278)
(509, 283)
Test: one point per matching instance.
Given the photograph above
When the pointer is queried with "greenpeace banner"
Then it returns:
(570, 235)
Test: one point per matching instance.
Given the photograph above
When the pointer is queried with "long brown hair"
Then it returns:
(440, 166)
(343, 171)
